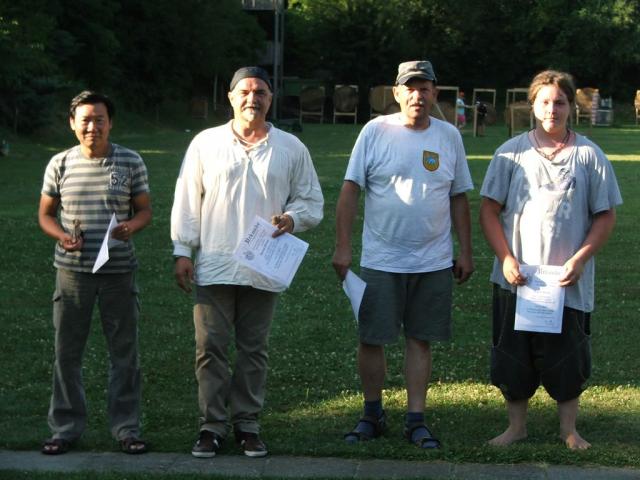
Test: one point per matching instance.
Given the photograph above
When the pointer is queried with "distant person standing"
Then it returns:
(413, 170)
(85, 186)
(460, 110)
(548, 198)
(230, 174)
(481, 114)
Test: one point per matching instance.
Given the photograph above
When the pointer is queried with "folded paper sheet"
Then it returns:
(277, 258)
(107, 243)
(540, 303)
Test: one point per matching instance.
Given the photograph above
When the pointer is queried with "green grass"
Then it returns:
(313, 389)
(15, 475)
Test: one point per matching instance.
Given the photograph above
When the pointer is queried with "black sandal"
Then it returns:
(133, 446)
(427, 441)
(55, 446)
(379, 426)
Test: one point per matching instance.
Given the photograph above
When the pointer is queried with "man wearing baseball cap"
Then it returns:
(414, 174)
(230, 174)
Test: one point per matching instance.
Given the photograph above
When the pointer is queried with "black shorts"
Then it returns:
(521, 361)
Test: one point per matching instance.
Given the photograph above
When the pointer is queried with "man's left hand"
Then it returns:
(572, 272)
(122, 232)
(283, 223)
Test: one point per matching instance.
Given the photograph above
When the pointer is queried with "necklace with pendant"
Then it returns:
(552, 155)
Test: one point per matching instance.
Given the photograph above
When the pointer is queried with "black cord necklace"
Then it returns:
(552, 155)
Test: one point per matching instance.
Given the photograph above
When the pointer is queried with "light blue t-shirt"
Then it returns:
(408, 177)
(549, 206)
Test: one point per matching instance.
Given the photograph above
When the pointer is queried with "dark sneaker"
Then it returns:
(251, 444)
(207, 445)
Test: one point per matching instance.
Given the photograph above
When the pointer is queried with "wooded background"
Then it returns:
(148, 52)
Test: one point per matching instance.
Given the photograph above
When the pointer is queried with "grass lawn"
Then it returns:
(313, 389)
(13, 475)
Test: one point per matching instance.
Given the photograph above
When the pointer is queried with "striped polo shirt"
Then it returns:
(91, 190)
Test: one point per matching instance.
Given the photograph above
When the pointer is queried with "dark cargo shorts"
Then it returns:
(521, 361)
(419, 303)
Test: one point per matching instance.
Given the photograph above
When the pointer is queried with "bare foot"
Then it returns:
(508, 437)
(575, 442)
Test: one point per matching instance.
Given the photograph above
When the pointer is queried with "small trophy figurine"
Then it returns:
(76, 232)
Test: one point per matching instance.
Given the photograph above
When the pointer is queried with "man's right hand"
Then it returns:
(69, 244)
(184, 273)
(511, 271)
(342, 261)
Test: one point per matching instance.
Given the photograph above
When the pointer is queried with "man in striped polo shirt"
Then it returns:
(83, 188)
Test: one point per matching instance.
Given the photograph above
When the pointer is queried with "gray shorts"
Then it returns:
(418, 302)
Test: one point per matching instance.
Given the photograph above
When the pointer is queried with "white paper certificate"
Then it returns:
(354, 287)
(539, 303)
(277, 258)
(107, 242)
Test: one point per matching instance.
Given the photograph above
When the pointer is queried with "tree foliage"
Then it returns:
(27, 72)
(490, 43)
(173, 48)
(144, 51)
(149, 51)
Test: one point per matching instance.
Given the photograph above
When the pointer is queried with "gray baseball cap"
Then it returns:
(415, 69)
(250, 72)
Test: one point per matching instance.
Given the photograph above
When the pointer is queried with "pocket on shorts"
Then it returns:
(56, 302)
(503, 310)
(135, 292)
(583, 323)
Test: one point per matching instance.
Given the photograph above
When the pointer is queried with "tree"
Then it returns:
(175, 48)
(146, 51)
(27, 73)
(490, 43)
(84, 44)
(352, 41)
(143, 51)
